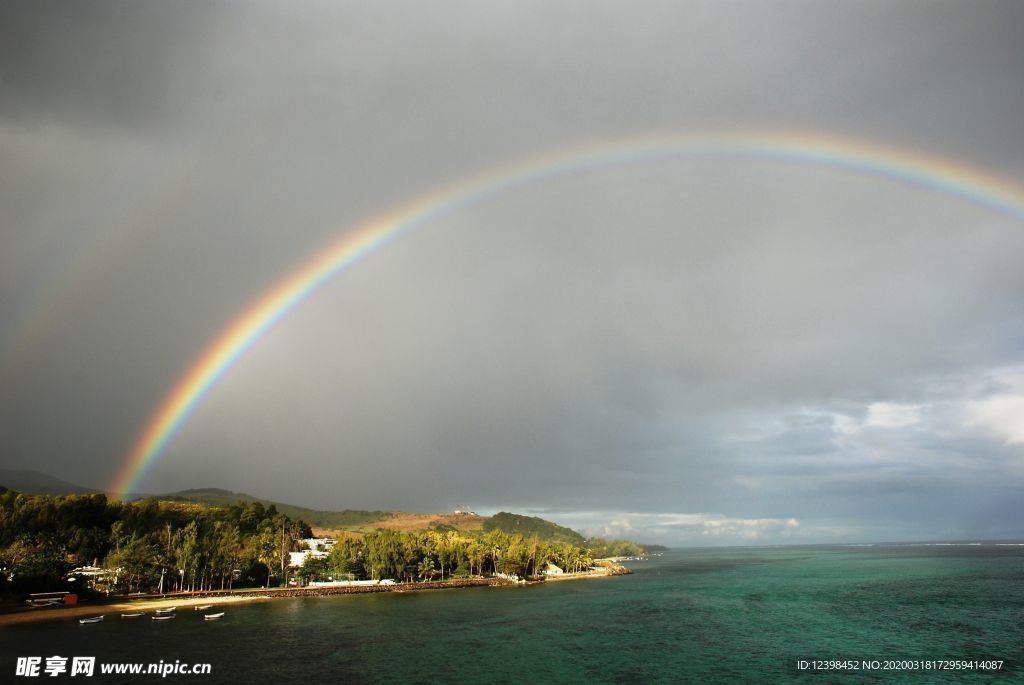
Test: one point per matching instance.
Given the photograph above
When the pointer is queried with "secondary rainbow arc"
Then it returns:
(943, 175)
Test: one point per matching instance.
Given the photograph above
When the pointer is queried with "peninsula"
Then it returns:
(63, 555)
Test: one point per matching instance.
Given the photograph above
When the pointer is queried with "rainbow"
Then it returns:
(942, 175)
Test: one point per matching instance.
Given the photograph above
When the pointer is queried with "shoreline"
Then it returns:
(218, 598)
(116, 607)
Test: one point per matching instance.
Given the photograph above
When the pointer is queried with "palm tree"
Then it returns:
(425, 569)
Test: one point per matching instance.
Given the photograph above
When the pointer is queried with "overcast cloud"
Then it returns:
(712, 351)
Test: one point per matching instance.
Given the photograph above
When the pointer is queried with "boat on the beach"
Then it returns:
(94, 619)
(163, 617)
(212, 617)
(204, 607)
(131, 615)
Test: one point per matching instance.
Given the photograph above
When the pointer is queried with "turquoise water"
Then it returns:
(737, 615)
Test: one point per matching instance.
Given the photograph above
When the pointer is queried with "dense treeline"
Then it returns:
(147, 545)
(440, 555)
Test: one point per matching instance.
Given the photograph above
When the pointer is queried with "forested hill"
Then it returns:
(361, 521)
(528, 526)
(348, 520)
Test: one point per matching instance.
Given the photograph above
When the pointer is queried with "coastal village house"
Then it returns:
(316, 548)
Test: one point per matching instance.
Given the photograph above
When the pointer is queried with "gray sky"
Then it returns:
(722, 350)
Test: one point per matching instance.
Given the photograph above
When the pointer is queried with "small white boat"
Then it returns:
(204, 607)
(94, 619)
(212, 617)
(168, 610)
(131, 615)
(163, 617)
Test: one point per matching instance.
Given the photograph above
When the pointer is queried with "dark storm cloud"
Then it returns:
(637, 363)
(725, 348)
(112, 67)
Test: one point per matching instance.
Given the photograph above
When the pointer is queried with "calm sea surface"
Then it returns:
(738, 615)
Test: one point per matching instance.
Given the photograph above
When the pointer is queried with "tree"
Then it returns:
(186, 554)
(426, 569)
(314, 569)
(265, 549)
(346, 559)
(476, 554)
(136, 564)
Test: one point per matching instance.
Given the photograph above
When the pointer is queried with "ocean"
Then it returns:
(885, 613)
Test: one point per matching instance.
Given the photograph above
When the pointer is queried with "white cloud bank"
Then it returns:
(1000, 415)
(892, 415)
(681, 528)
(879, 415)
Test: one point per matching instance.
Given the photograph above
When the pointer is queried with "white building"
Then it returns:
(318, 548)
(323, 545)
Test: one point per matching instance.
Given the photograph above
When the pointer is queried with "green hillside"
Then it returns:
(528, 526)
(352, 520)
(361, 521)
